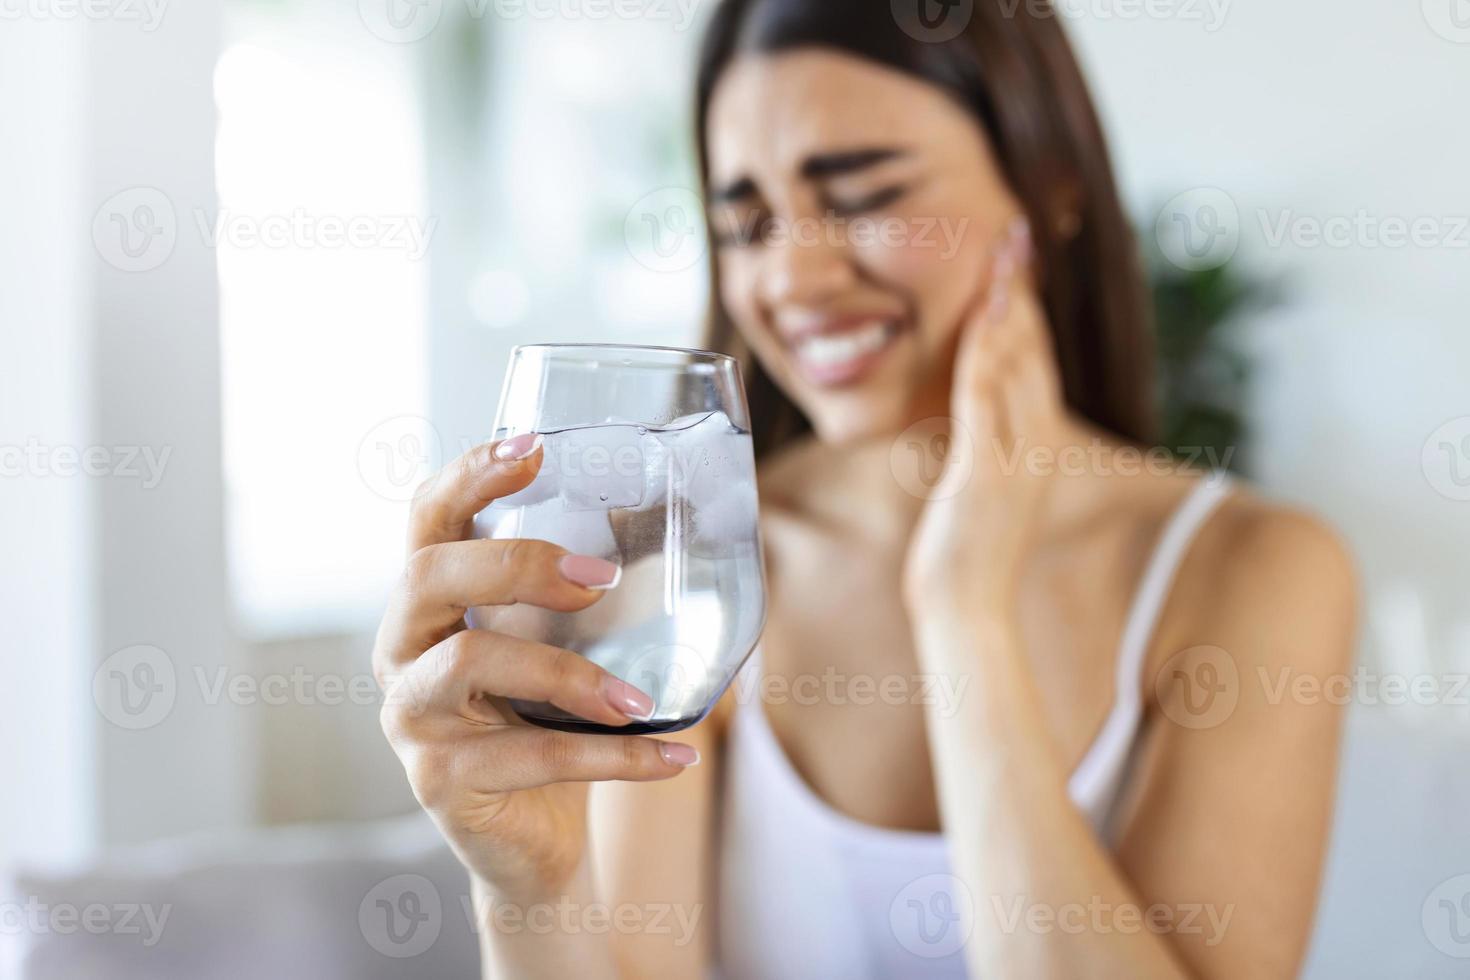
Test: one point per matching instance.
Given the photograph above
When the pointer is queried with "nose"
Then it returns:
(804, 267)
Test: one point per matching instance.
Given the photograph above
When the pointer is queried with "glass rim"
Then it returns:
(693, 352)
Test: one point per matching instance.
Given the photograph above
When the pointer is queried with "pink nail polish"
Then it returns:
(589, 572)
(1020, 234)
(677, 754)
(627, 699)
(518, 447)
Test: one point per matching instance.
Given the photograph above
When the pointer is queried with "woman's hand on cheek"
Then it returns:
(1005, 404)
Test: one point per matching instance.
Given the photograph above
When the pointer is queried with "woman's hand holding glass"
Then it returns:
(509, 797)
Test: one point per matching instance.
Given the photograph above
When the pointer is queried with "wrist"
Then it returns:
(955, 595)
(956, 633)
(576, 886)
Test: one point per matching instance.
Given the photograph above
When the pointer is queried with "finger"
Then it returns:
(510, 759)
(449, 500)
(1021, 395)
(443, 581)
(1006, 350)
(983, 329)
(455, 674)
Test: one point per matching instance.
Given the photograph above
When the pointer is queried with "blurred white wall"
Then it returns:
(111, 360)
(1305, 113)
(45, 600)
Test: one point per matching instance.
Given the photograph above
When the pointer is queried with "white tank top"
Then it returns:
(809, 893)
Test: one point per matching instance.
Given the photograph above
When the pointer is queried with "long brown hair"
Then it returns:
(1015, 71)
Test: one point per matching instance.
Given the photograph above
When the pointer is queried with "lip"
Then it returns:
(821, 326)
(848, 370)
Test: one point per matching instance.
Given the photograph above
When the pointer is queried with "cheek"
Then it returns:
(737, 294)
(942, 268)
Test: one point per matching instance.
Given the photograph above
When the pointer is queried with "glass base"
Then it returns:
(541, 716)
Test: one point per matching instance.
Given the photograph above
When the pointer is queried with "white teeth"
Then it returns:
(825, 350)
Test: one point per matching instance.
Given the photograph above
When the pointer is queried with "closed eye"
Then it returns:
(735, 229)
(875, 201)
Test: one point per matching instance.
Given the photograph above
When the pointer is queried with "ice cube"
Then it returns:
(596, 467)
(582, 532)
(696, 445)
(725, 521)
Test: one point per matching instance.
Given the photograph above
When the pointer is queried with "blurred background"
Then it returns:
(261, 266)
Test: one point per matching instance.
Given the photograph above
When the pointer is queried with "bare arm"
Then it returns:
(1231, 818)
(641, 907)
(1224, 847)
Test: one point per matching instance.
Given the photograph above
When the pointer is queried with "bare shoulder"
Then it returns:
(1276, 581)
(1243, 752)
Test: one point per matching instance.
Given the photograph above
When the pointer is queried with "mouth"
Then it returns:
(839, 357)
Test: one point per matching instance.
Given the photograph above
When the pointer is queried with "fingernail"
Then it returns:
(589, 572)
(1020, 234)
(1000, 293)
(677, 754)
(627, 699)
(518, 447)
(1005, 266)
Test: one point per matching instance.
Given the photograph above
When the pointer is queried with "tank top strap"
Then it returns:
(1101, 767)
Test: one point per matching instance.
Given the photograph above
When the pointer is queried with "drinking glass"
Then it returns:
(647, 463)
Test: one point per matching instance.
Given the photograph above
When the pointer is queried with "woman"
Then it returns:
(1113, 790)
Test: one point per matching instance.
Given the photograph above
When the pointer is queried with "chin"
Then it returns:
(854, 420)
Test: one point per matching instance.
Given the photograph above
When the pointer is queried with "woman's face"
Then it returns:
(854, 210)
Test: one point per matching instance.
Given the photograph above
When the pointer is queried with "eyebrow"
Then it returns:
(814, 167)
(832, 164)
